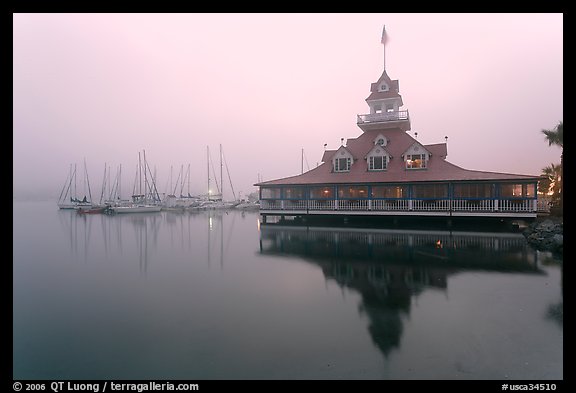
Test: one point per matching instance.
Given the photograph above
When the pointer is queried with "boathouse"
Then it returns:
(387, 172)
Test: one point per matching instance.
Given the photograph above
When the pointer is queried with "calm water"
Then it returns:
(211, 295)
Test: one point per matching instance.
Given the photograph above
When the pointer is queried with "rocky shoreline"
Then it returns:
(546, 234)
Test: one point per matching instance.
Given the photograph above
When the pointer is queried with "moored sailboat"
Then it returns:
(143, 202)
(68, 198)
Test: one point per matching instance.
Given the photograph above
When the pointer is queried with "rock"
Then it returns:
(558, 240)
(546, 235)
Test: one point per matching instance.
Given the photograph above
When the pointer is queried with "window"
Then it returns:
(377, 108)
(415, 161)
(342, 164)
(517, 190)
(294, 193)
(352, 192)
(430, 191)
(389, 108)
(528, 190)
(322, 192)
(380, 140)
(377, 163)
(389, 191)
(270, 193)
(472, 190)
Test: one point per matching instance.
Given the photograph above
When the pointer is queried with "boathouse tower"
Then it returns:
(384, 102)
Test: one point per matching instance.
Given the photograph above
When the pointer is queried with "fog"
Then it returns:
(267, 87)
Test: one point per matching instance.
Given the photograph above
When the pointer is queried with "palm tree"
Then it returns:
(551, 182)
(555, 137)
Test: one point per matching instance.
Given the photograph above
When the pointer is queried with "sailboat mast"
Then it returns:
(182, 179)
(208, 163)
(75, 185)
(103, 186)
(120, 182)
(139, 175)
(221, 178)
(188, 187)
(87, 180)
(229, 179)
(145, 177)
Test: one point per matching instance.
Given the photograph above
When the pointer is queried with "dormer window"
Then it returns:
(415, 161)
(378, 158)
(342, 164)
(342, 160)
(377, 163)
(416, 157)
(381, 142)
(383, 87)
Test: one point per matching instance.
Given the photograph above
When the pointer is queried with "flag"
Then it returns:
(384, 36)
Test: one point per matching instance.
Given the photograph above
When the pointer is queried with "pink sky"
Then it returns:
(107, 86)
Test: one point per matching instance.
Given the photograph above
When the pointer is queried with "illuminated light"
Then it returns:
(438, 244)
(210, 222)
(258, 224)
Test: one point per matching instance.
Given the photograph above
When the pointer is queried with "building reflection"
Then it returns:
(387, 268)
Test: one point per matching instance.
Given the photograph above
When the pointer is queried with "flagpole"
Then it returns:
(383, 41)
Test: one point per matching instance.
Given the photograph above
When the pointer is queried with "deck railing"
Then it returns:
(389, 204)
(405, 205)
(382, 117)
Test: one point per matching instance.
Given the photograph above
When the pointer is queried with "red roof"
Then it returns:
(398, 142)
(382, 94)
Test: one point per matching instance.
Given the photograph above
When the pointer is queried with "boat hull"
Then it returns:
(136, 209)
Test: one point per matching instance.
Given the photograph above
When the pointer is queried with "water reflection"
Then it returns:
(388, 268)
(145, 233)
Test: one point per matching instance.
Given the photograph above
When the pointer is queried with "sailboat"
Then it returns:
(96, 208)
(216, 200)
(68, 198)
(145, 201)
(171, 201)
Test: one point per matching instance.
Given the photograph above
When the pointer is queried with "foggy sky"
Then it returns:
(104, 87)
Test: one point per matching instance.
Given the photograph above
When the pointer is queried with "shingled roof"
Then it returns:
(438, 169)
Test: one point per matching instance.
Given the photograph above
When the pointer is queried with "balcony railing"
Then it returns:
(406, 205)
(382, 117)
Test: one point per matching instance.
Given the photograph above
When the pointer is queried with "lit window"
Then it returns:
(517, 190)
(342, 164)
(415, 161)
(352, 192)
